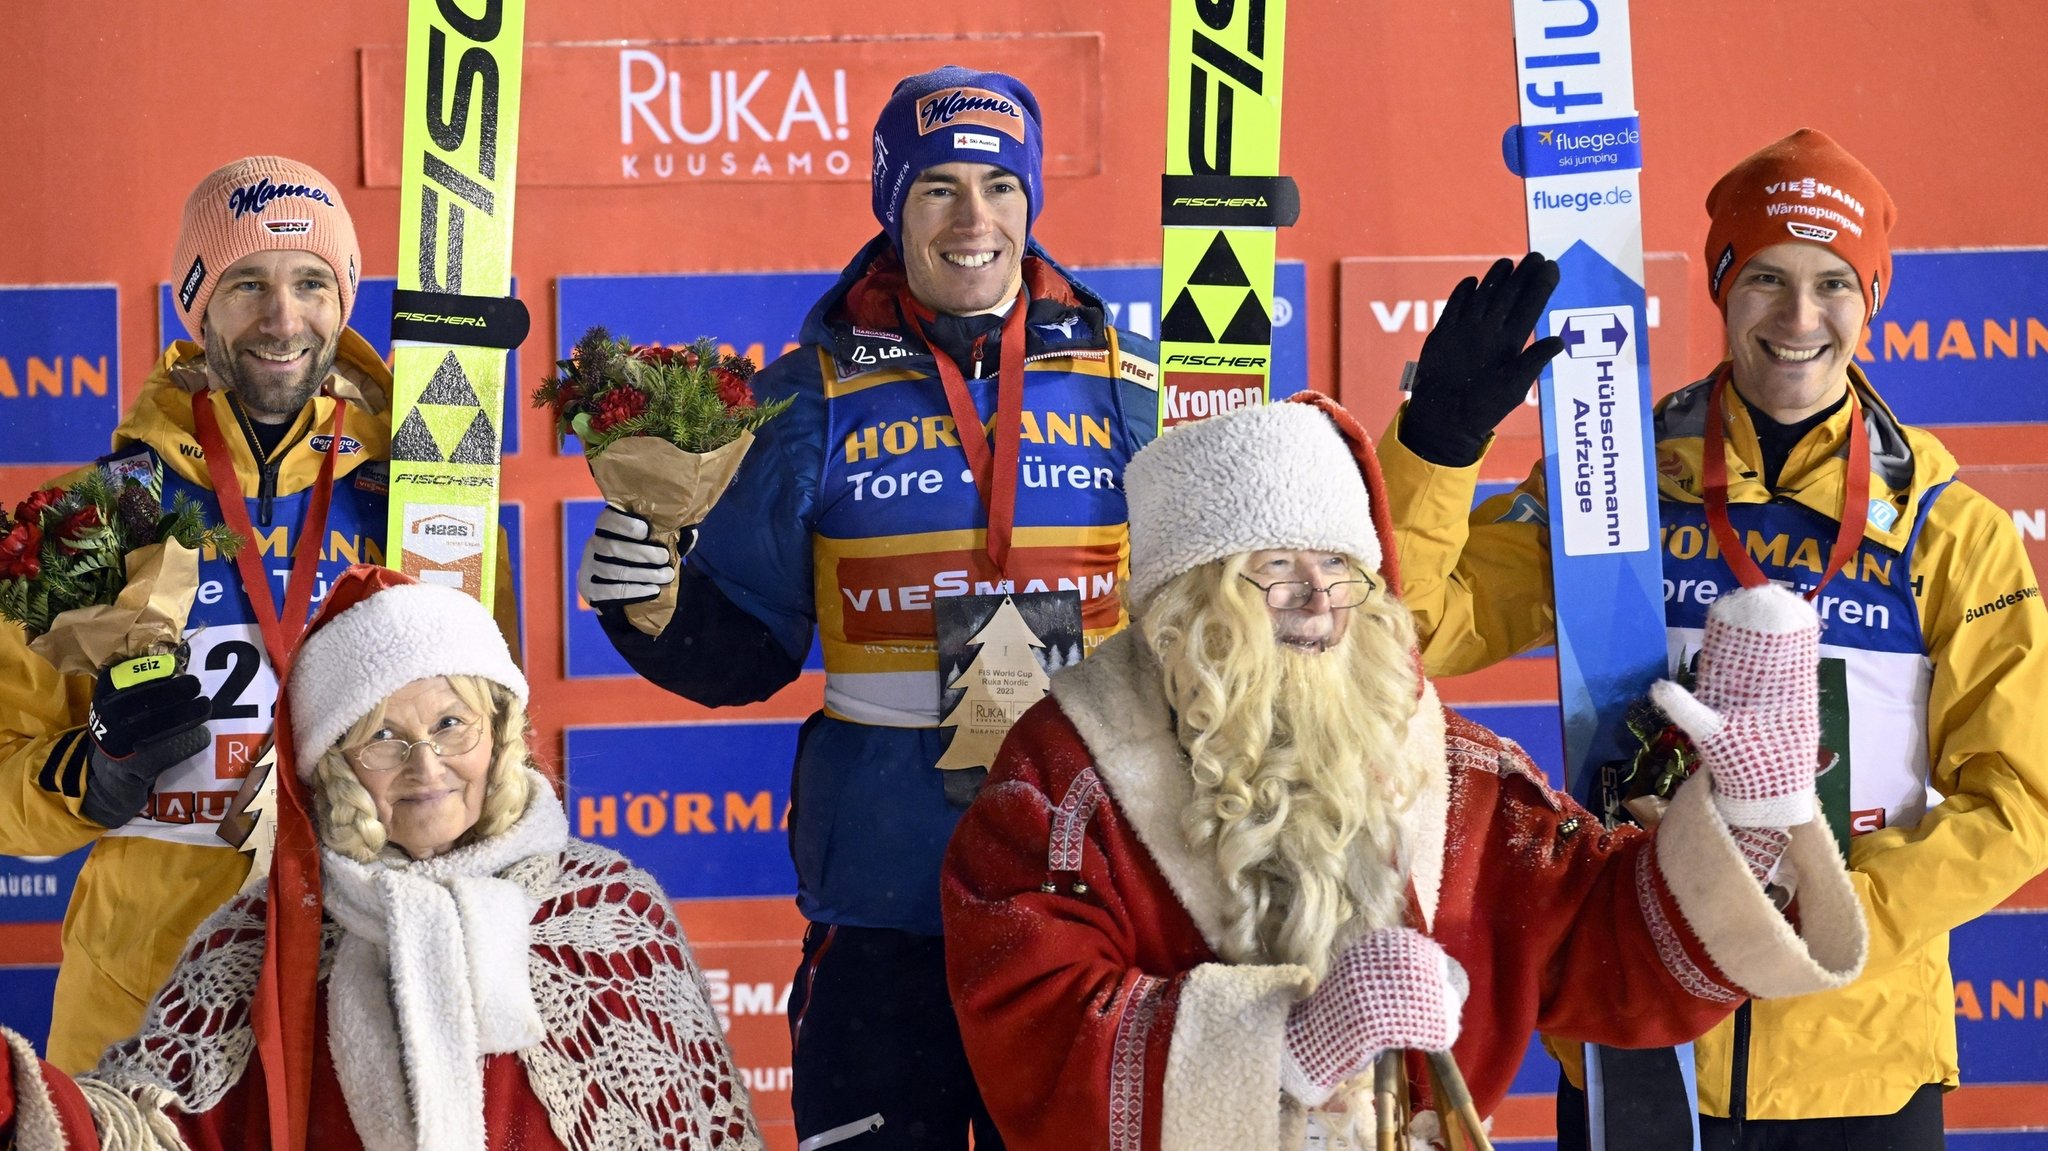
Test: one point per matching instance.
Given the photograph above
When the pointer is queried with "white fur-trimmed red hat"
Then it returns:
(1276, 476)
(377, 631)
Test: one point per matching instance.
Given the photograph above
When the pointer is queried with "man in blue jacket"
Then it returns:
(864, 514)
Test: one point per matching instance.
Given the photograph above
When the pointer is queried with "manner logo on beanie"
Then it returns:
(950, 115)
(257, 204)
(1804, 187)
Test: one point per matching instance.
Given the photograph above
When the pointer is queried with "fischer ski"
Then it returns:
(452, 324)
(1578, 150)
(1220, 200)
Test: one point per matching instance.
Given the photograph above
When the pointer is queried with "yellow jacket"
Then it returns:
(1479, 584)
(138, 897)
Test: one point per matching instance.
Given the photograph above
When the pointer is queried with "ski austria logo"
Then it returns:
(257, 196)
(1814, 232)
(287, 227)
(976, 142)
(952, 106)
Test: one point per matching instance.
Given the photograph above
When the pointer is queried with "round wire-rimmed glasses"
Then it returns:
(392, 754)
(1292, 595)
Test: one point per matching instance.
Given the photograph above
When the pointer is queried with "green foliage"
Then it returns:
(608, 390)
(87, 531)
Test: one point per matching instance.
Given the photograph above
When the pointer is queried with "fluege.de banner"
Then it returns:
(60, 372)
(796, 110)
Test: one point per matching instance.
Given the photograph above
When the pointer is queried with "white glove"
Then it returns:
(618, 569)
(1391, 988)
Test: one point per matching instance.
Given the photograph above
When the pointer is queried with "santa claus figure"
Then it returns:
(1241, 850)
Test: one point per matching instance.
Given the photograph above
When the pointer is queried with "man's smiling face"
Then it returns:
(964, 230)
(1795, 319)
(272, 328)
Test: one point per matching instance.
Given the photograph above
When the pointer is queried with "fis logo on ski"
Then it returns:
(956, 106)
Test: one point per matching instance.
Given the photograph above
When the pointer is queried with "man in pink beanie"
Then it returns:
(273, 419)
(1786, 466)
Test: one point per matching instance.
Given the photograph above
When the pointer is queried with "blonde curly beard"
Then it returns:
(1300, 784)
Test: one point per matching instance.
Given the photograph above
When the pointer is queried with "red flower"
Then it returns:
(660, 354)
(20, 552)
(733, 390)
(616, 407)
(30, 510)
(75, 527)
(566, 395)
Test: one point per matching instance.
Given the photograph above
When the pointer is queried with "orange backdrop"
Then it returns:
(110, 111)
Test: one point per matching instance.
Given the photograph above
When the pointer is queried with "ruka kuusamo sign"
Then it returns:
(1220, 200)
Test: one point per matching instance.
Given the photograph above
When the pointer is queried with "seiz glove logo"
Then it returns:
(98, 727)
(128, 673)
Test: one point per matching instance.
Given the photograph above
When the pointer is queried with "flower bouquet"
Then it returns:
(664, 430)
(98, 571)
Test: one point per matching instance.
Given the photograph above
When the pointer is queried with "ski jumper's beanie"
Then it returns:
(1804, 187)
(1270, 476)
(954, 114)
(377, 631)
(252, 205)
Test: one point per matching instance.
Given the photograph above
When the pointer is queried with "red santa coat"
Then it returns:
(1081, 929)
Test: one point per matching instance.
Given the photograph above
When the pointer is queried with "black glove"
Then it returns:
(139, 732)
(1474, 369)
(620, 569)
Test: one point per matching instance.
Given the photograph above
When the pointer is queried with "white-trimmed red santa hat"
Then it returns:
(377, 631)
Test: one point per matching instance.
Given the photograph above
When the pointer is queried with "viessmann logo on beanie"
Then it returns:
(255, 204)
(1804, 187)
(949, 115)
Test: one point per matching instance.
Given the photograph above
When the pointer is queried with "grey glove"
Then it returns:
(619, 569)
(139, 732)
(1475, 369)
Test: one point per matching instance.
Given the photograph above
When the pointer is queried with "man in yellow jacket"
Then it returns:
(276, 399)
(1935, 630)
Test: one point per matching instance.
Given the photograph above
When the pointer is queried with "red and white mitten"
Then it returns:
(1755, 715)
(1393, 987)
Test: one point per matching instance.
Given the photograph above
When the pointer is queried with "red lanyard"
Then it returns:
(995, 473)
(1855, 494)
(280, 631)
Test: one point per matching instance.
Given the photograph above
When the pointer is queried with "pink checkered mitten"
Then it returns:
(1755, 716)
(1393, 987)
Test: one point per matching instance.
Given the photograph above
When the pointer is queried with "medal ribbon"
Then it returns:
(995, 472)
(280, 630)
(1855, 493)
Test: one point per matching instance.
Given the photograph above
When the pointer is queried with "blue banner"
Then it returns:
(586, 652)
(60, 373)
(2000, 963)
(702, 806)
(371, 318)
(37, 890)
(1572, 149)
(759, 314)
(1962, 337)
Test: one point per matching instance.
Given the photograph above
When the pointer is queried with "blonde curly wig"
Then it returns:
(346, 818)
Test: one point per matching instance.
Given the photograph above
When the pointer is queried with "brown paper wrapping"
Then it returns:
(146, 618)
(669, 488)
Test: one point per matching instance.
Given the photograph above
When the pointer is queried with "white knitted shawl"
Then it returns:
(608, 1012)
